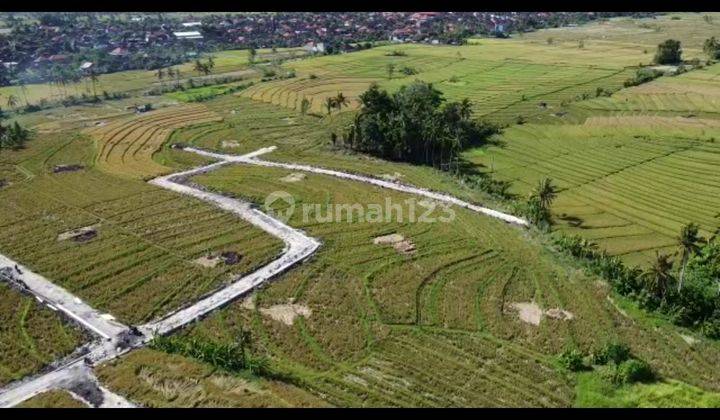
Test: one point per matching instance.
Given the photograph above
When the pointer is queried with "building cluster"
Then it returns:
(156, 40)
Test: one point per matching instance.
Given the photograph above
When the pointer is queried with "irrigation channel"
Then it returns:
(74, 373)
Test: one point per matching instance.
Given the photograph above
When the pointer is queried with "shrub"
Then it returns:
(612, 352)
(572, 360)
(633, 370)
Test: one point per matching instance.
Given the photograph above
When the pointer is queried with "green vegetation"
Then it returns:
(142, 263)
(593, 390)
(668, 52)
(414, 125)
(13, 136)
(53, 399)
(31, 335)
(156, 379)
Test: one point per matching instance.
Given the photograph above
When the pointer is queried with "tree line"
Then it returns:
(685, 286)
(415, 124)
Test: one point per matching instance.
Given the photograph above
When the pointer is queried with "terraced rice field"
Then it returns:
(141, 263)
(696, 93)
(434, 327)
(156, 379)
(126, 147)
(629, 187)
(227, 63)
(31, 335)
(503, 78)
(692, 29)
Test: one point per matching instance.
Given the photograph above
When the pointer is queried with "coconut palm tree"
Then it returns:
(340, 101)
(160, 73)
(545, 192)
(329, 104)
(658, 277)
(689, 243)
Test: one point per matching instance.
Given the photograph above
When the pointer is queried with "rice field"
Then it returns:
(504, 78)
(53, 399)
(155, 379)
(31, 335)
(435, 327)
(141, 264)
(125, 147)
(227, 63)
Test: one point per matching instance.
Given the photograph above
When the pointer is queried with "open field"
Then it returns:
(227, 63)
(53, 399)
(692, 29)
(469, 312)
(381, 321)
(156, 379)
(126, 146)
(504, 78)
(31, 335)
(142, 261)
(631, 178)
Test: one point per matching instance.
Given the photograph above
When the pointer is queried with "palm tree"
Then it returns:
(658, 276)
(545, 192)
(465, 110)
(340, 101)
(689, 243)
(12, 101)
(329, 104)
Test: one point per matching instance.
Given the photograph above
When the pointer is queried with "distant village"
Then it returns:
(37, 48)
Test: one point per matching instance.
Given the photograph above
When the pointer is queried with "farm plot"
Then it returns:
(31, 335)
(155, 379)
(53, 399)
(628, 183)
(692, 29)
(693, 94)
(504, 78)
(389, 327)
(227, 63)
(125, 147)
(141, 259)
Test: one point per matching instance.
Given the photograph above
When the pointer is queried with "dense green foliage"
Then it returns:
(231, 357)
(669, 52)
(643, 75)
(711, 47)
(416, 125)
(13, 136)
(694, 304)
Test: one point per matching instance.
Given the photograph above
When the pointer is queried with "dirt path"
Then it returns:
(117, 337)
(251, 158)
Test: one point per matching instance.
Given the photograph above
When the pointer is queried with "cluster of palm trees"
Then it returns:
(659, 276)
(169, 73)
(335, 102)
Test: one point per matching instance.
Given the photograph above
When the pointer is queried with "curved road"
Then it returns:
(118, 338)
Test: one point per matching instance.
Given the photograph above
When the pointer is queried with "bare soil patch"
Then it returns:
(531, 313)
(528, 312)
(401, 245)
(230, 144)
(212, 260)
(67, 168)
(286, 313)
(294, 177)
(82, 234)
